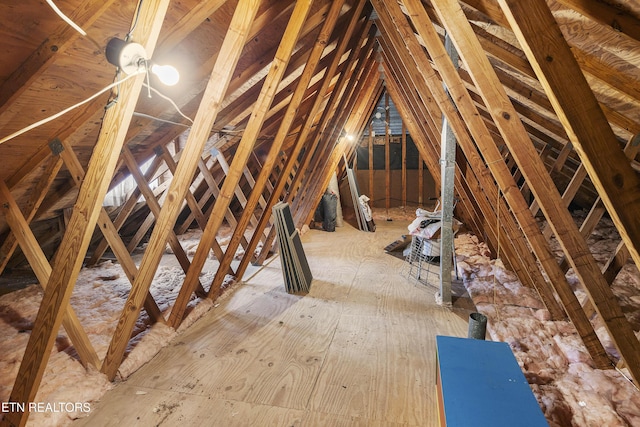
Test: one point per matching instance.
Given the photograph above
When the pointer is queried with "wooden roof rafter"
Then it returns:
(68, 260)
(504, 177)
(539, 181)
(266, 169)
(218, 83)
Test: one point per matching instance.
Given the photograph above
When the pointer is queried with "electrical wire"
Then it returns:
(168, 99)
(65, 111)
(158, 119)
(135, 22)
(66, 18)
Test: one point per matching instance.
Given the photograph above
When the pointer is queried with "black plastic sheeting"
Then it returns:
(327, 211)
(395, 156)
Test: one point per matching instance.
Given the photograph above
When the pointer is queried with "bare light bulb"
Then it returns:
(167, 74)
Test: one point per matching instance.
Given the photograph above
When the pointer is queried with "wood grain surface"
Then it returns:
(357, 350)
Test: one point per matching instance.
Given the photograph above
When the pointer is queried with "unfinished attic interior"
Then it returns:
(144, 258)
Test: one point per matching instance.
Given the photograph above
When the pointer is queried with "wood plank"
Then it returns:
(263, 353)
(404, 165)
(387, 159)
(55, 45)
(371, 170)
(420, 181)
(174, 408)
(73, 247)
(607, 15)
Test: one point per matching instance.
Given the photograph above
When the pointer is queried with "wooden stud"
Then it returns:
(371, 169)
(387, 159)
(404, 166)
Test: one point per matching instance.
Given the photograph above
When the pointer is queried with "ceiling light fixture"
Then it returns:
(132, 59)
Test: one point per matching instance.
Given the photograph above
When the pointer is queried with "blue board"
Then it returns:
(482, 385)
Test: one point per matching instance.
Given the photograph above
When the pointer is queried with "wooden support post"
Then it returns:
(404, 166)
(387, 158)
(42, 269)
(371, 168)
(420, 181)
(68, 259)
(505, 118)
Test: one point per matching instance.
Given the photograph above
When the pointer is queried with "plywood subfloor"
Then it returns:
(358, 350)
